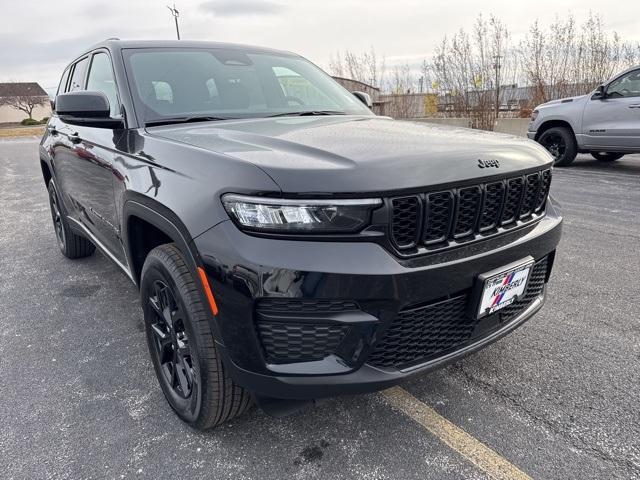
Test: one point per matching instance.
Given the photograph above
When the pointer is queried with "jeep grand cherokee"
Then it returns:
(288, 244)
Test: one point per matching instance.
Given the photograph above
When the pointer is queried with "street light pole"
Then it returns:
(497, 66)
(175, 15)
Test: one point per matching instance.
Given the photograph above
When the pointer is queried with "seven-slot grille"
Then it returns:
(435, 219)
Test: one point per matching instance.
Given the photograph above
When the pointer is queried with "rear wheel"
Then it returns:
(607, 156)
(71, 244)
(187, 363)
(560, 142)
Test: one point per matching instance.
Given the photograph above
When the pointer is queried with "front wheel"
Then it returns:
(182, 348)
(607, 156)
(561, 143)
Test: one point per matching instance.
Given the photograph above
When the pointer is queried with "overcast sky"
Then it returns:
(37, 37)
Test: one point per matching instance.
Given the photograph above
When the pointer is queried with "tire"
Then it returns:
(71, 244)
(184, 355)
(561, 143)
(607, 156)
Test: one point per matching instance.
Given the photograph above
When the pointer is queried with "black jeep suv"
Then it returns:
(288, 244)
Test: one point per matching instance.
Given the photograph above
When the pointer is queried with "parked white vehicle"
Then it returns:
(605, 123)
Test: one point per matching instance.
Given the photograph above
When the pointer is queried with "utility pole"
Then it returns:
(175, 15)
(497, 66)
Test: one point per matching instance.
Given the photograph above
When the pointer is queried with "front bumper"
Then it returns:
(245, 270)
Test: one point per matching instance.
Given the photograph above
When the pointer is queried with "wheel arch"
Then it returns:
(160, 225)
(554, 123)
(148, 224)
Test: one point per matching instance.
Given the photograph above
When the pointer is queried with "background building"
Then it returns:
(30, 96)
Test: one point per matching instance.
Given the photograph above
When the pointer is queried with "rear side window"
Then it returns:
(101, 79)
(77, 77)
(63, 82)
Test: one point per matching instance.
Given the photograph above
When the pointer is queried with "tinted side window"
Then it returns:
(101, 80)
(77, 77)
(626, 86)
(63, 82)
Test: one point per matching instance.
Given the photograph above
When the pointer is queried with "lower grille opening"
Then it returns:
(292, 343)
(289, 330)
(419, 334)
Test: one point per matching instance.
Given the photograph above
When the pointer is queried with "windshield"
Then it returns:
(181, 83)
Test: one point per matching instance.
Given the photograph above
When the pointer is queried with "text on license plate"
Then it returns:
(503, 289)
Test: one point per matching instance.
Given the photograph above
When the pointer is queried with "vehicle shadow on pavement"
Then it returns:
(626, 166)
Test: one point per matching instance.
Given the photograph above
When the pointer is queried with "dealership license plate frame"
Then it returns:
(483, 304)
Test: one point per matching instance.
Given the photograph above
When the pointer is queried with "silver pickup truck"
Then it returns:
(605, 123)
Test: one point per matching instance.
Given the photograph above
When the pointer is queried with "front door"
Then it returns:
(613, 122)
(85, 162)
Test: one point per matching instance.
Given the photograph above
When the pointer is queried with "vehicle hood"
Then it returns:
(356, 154)
(562, 101)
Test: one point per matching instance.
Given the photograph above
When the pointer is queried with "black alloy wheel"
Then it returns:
(561, 144)
(185, 357)
(171, 344)
(70, 243)
(56, 216)
(555, 144)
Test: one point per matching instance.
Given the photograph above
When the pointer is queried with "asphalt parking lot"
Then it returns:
(559, 398)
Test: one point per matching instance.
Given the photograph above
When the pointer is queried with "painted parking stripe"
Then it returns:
(469, 447)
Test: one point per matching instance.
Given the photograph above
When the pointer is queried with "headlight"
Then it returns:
(534, 115)
(299, 216)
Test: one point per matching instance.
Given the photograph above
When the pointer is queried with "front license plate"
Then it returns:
(503, 288)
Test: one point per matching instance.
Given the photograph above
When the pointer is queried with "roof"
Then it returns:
(115, 43)
(16, 89)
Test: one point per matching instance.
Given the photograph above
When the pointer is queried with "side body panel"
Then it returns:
(83, 162)
(612, 123)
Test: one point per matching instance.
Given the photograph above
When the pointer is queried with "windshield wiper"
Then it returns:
(170, 120)
(308, 113)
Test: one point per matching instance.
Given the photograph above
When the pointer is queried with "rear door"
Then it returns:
(614, 122)
(86, 163)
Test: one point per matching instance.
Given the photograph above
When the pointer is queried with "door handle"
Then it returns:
(635, 105)
(74, 138)
(52, 130)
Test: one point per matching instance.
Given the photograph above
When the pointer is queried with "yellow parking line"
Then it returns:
(472, 449)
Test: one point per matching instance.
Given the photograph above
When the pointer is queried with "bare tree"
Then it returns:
(565, 59)
(24, 103)
(479, 74)
(468, 69)
(402, 102)
(366, 67)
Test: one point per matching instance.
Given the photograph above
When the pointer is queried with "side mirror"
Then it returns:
(600, 93)
(86, 108)
(364, 98)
